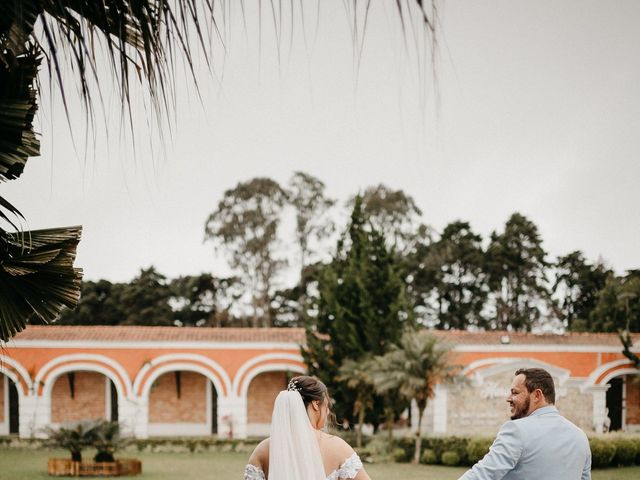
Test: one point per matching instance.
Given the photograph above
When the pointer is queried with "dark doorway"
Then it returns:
(614, 403)
(14, 409)
(214, 409)
(113, 415)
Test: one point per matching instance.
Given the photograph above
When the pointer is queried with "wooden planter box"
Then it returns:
(63, 467)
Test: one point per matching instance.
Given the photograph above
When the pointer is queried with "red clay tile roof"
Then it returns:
(160, 334)
(460, 337)
(288, 335)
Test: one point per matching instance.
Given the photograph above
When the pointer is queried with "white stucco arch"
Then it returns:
(82, 367)
(618, 373)
(17, 373)
(611, 369)
(183, 367)
(277, 362)
(502, 365)
(477, 364)
(84, 362)
(182, 361)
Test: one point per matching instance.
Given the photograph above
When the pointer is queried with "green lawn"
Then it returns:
(23, 464)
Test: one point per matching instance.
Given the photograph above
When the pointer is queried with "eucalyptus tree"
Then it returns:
(202, 300)
(311, 206)
(244, 226)
(145, 300)
(412, 368)
(618, 305)
(394, 213)
(577, 284)
(517, 268)
(618, 309)
(452, 273)
(100, 304)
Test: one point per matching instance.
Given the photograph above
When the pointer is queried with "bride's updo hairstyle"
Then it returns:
(310, 389)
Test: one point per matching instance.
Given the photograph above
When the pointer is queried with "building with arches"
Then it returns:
(170, 381)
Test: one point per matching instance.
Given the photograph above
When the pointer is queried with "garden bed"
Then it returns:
(63, 467)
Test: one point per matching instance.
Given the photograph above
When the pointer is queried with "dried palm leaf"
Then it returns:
(37, 277)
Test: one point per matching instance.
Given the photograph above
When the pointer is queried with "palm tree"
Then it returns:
(74, 437)
(413, 369)
(356, 374)
(141, 40)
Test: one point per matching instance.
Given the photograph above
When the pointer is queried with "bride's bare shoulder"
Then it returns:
(260, 456)
(339, 448)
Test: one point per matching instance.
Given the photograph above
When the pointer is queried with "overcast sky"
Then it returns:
(537, 111)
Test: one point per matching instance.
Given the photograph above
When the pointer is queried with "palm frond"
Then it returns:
(141, 40)
(37, 277)
(18, 106)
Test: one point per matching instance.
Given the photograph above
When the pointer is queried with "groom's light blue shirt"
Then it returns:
(544, 445)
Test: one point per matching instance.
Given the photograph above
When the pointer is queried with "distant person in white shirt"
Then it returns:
(538, 442)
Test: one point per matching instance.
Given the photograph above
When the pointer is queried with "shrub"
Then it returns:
(407, 444)
(451, 458)
(444, 444)
(477, 448)
(399, 455)
(379, 449)
(107, 441)
(429, 457)
(367, 455)
(602, 452)
(626, 451)
(74, 437)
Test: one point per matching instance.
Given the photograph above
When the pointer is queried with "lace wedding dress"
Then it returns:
(349, 469)
(294, 453)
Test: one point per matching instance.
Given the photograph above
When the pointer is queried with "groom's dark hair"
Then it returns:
(539, 378)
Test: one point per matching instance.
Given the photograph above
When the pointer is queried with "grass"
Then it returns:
(26, 464)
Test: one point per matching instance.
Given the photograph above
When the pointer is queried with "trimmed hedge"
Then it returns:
(450, 458)
(477, 448)
(602, 452)
(438, 445)
(429, 457)
(192, 445)
(626, 450)
(606, 451)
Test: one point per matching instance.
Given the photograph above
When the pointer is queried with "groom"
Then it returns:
(538, 442)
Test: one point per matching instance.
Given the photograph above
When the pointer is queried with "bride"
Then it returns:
(298, 449)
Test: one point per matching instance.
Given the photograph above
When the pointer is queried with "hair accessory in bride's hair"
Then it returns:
(293, 386)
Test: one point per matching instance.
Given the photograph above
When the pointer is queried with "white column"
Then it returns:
(34, 416)
(440, 405)
(4, 426)
(232, 417)
(599, 395)
(133, 417)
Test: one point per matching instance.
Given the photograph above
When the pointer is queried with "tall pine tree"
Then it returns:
(361, 309)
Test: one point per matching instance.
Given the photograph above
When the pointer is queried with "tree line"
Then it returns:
(451, 279)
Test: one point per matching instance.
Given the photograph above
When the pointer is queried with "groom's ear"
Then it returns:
(538, 395)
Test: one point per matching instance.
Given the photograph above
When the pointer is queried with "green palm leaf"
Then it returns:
(37, 277)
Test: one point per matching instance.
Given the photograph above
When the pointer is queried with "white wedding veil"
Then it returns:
(294, 453)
